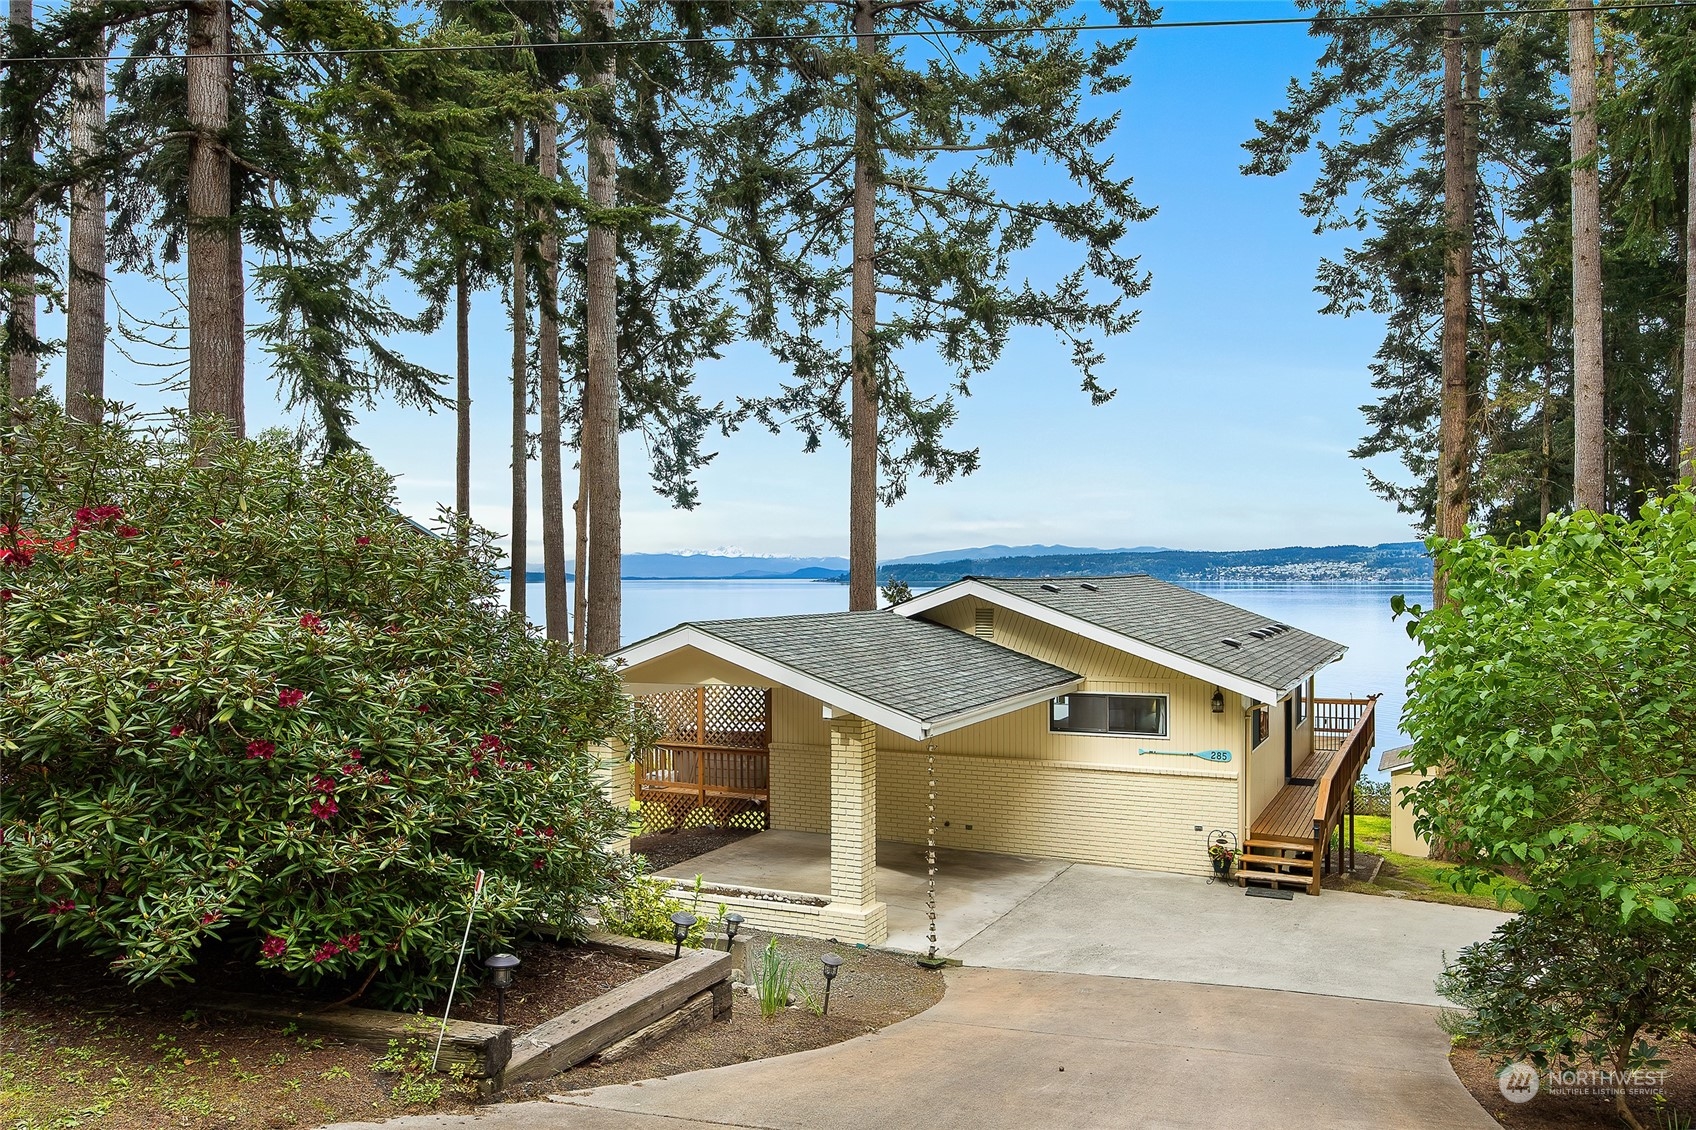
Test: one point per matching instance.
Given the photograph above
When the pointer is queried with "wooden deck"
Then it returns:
(1289, 841)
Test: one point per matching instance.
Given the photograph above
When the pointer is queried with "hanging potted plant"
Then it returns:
(1222, 853)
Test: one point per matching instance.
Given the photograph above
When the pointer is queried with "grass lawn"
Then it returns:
(1407, 876)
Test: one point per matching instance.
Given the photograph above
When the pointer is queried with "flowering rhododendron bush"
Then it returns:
(245, 708)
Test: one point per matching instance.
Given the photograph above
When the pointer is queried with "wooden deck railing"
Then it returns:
(1289, 839)
(1336, 784)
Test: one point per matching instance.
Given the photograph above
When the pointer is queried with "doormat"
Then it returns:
(1269, 893)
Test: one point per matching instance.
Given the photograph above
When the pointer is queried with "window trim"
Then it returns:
(1165, 715)
(1300, 697)
(1260, 710)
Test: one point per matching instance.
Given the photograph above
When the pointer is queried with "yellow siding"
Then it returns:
(1403, 838)
(1265, 763)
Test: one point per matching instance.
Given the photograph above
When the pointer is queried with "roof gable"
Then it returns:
(1166, 623)
(912, 676)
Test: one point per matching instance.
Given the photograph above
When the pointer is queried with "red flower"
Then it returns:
(128, 532)
(361, 540)
(312, 624)
(5, 595)
(176, 731)
(494, 689)
(323, 810)
(325, 952)
(288, 698)
(383, 777)
(63, 906)
(18, 558)
(354, 754)
(350, 942)
(85, 516)
(274, 947)
(217, 521)
(152, 686)
(537, 865)
(491, 742)
(391, 629)
(547, 833)
(518, 831)
(260, 750)
(108, 512)
(423, 708)
(210, 917)
(324, 785)
(529, 765)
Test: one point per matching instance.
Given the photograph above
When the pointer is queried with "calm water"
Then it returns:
(1357, 616)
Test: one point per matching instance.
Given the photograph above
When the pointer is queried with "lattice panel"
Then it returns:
(737, 717)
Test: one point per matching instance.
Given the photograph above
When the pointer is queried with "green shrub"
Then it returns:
(244, 703)
(643, 909)
(1371, 798)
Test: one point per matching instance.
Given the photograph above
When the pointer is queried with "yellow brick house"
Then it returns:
(1116, 720)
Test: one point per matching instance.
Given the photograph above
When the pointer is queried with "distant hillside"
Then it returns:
(1392, 563)
(719, 567)
(990, 552)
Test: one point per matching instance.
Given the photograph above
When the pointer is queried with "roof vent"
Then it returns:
(1050, 588)
(1228, 642)
(1087, 587)
(983, 623)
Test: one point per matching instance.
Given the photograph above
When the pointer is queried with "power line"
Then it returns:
(932, 33)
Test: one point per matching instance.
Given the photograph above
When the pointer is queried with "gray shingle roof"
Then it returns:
(923, 670)
(1182, 621)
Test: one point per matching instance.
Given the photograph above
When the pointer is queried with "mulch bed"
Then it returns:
(80, 1047)
(668, 849)
(1580, 1112)
(551, 979)
(873, 991)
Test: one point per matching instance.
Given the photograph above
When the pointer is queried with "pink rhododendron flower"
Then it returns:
(5, 595)
(537, 865)
(490, 742)
(288, 698)
(63, 906)
(350, 942)
(260, 750)
(274, 947)
(210, 917)
(312, 624)
(324, 785)
(494, 689)
(325, 952)
(361, 540)
(176, 731)
(324, 809)
(128, 532)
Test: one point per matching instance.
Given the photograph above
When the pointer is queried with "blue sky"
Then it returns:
(1237, 402)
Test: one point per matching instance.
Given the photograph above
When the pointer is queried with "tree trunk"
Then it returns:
(85, 286)
(580, 561)
(462, 401)
(600, 464)
(212, 368)
(1454, 462)
(20, 329)
(1687, 409)
(863, 412)
(555, 599)
(1589, 429)
(520, 552)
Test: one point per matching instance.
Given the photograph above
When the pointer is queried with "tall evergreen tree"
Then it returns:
(85, 282)
(23, 87)
(1590, 428)
(864, 181)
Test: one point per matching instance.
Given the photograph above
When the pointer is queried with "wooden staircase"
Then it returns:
(1287, 844)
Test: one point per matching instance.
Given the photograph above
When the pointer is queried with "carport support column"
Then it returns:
(854, 914)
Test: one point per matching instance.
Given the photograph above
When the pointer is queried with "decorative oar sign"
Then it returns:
(1204, 754)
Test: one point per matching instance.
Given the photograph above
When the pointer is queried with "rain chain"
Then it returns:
(930, 846)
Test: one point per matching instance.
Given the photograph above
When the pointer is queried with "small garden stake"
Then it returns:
(452, 988)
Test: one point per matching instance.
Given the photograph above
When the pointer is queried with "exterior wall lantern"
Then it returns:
(1218, 701)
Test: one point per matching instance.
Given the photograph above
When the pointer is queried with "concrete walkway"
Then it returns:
(1015, 912)
(1016, 1050)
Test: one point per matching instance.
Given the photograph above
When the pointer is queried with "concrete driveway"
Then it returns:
(1010, 1049)
(1017, 912)
(1116, 922)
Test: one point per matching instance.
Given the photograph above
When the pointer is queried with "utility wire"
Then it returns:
(979, 33)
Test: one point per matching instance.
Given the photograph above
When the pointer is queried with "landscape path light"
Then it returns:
(503, 970)
(681, 923)
(732, 923)
(832, 966)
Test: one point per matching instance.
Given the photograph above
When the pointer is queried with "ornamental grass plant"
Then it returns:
(246, 708)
